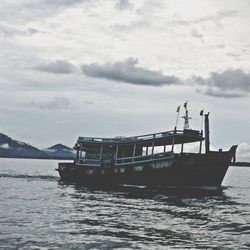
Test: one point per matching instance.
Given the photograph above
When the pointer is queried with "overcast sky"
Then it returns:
(121, 67)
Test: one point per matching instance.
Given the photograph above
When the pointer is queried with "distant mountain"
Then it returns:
(60, 147)
(13, 148)
(16, 149)
(60, 151)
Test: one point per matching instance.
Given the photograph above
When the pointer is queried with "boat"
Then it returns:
(149, 160)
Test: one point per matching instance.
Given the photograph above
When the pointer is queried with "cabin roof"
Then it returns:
(160, 139)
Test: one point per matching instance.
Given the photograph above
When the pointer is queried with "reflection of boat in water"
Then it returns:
(148, 160)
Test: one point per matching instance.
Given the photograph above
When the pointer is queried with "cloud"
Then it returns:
(25, 11)
(11, 31)
(57, 67)
(229, 83)
(225, 14)
(54, 103)
(62, 2)
(197, 34)
(217, 93)
(243, 152)
(128, 71)
(217, 17)
(123, 4)
(33, 31)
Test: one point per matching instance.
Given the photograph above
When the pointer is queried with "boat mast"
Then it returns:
(202, 116)
(207, 141)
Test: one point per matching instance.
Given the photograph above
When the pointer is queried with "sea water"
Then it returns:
(38, 211)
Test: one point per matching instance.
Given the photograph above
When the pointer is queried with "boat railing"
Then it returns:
(89, 162)
(124, 160)
(132, 138)
(142, 158)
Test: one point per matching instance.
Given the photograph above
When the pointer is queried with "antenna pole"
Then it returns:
(202, 119)
(177, 118)
(186, 117)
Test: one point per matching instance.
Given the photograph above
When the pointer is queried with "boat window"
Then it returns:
(157, 149)
(82, 154)
(168, 148)
(177, 148)
(192, 147)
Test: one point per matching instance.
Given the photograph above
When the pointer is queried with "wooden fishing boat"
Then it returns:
(149, 160)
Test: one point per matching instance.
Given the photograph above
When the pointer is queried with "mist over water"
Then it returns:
(38, 211)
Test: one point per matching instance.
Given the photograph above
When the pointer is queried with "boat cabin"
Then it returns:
(106, 152)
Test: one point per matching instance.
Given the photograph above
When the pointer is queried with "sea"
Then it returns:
(38, 211)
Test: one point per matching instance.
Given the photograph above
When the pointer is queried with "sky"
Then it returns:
(107, 68)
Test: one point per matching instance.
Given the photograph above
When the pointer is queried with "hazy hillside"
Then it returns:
(60, 151)
(14, 149)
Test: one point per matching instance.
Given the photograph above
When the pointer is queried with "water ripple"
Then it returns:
(38, 211)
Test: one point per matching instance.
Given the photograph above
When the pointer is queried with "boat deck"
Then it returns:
(160, 139)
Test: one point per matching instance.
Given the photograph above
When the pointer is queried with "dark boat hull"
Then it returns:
(181, 170)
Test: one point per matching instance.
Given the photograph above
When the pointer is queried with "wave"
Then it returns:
(29, 177)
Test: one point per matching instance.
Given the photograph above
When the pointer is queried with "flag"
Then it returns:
(201, 113)
(185, 104)
(178, 109)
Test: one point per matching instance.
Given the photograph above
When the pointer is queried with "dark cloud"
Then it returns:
(215, 92)
(57, 67)
(32, 31)
(128, 71)
(122, 4)
(51, 104)
(197, 34)
(229, 83)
